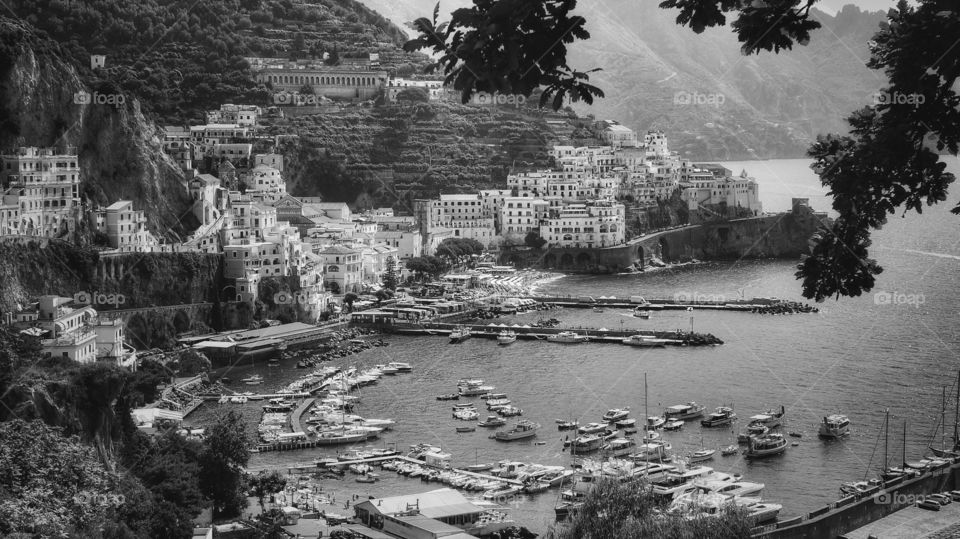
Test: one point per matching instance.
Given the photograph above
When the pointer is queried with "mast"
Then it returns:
(886, 438)
(646, 410)
(904, 444)
(956, 418)
(943, 417)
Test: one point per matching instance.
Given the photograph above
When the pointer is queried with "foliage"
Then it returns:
(390, 274)
(50, 484)
(427, 266)
(533, 240)
(222, 460)
(509, 46)
(193, 362)
(349, 298)
(454, 248)
(265, 484)
(628, 510)
(413, 95)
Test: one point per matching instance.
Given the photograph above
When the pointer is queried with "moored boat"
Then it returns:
(618, 447)
(675, 424)
(722, 417)
(563, 424)
(568, 337)
(642, 312)
(834, 426)
(460, 334)
(506, 337)
(684, 412)
(701, 455)
(466, 429)
(523, 429)
(586, 443)
(616, 414)
(646, 340)
(492, 421)
(766, 446)
(448, 397)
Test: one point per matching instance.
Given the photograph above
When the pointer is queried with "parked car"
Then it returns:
(942, 499)
(929, 505)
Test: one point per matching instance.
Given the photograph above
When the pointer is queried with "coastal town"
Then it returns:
(270, 270)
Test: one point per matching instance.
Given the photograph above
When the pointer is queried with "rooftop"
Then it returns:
(440, 503)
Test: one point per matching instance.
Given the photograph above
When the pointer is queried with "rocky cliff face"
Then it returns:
(43, 102)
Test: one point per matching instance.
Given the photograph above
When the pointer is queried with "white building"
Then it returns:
(594, 224)
(45, 185)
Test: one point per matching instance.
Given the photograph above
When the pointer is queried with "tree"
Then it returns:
(221, 465)
(193, 363)
(264, 484)
(390, 275)
(413, 95)
(533, 240)
(885, 163)
(349, 298)
(333, 58)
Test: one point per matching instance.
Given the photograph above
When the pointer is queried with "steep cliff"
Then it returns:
(43, 102)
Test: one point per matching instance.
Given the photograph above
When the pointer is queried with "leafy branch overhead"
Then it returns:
(889, 160)
(508, 47)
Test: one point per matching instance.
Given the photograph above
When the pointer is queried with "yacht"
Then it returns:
(770, 420)
(592, 428)
(767, 446)
(460, 334)
(586, 443)
(644, 340)
(616, 414)
(253, 380)
(642, 312)
(619, 447)
(675, 424)
(568, 337)
(684, 412)
(722, 417)
(506, 337)
(652, 452)
(834, 426)
(697, 504)
(563, 424)
(678, 482)
(400, 366)
(523, 429)
(701, 455)
(492, 421)
(473, 388)
(730, 487)
(654, 423)
(340, 437)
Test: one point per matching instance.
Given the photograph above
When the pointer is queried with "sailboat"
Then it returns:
(943, 451)
(702, 454)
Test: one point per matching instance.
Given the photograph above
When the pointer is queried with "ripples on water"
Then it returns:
(854, 357)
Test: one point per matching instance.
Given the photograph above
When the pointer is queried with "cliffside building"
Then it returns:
(45, 186)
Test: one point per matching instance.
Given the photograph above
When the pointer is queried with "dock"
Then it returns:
(761, 305)
(264, 396)
(295, 424)
(610, 336)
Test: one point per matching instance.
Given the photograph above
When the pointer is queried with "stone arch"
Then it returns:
(665, 250)
(566, 261)
(181, 321)
(549, 260)
(516, 260)
(641, 256)
(584, 260)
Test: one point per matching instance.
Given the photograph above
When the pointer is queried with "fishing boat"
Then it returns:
(642, 313)
(766, 446)
(252, 380)
(523, 429)
(586, 443)
(655, 423)
(618, 447)
(563, 424)
(626, 423)
(684, 412)
(568, 337)
(616, 414)
(673, 425)
(466, 429)
(492, 421)
(701, 455)
(722, 417)
(834, 426)
(449, 397)
(507, 337)
(460, 334)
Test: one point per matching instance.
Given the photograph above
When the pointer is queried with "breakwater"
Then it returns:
(598, 335)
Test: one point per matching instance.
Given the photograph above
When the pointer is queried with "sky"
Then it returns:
(831, 6)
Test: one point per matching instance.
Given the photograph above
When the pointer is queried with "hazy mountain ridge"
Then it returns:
(771, 104)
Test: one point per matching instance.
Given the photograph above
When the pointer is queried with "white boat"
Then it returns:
(400, 366)
(729, 450)
(834, 426)
(340, 437)
(253, 380)
(684, 412)
(701, 455)
(473, 388)
(466, 414)
(767, 446)
(568, 337)
(643, 313)
(586, 443)
(523, 429)
(592, 428)
(675, 424)
(770, 420)
(492, 421)
(619, 447)
(722, 417)
(678, 482)
(506, 337)
(616, 414)
(729, 488)
(386, 369)
(645, 340)
(652, 452)
(655, 423)
(626, 423)
(460, 334)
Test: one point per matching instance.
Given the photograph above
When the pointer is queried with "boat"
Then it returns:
(502, 493)
(400, 366)
(586, 443)
(652, 452)
(642, 313)
(563, 424)
(592, 428)
(684, 412)
(466, 429)
(645, 340)
(497, 403)
(766, 446)
(523, 429)
(568, 337)
(466, 414)
(492, 421)
(598, 309)
(506, 337)
(279, 405)
(253, 380)
(366, 479)
(834, 426)
(655, 423)
(535, 487)
(626, 423)
(488, 396)
(722, 417)
(473, 388)
(507, 411)
(449, 397)
(954, 451)
(618, 447)
(479, 467)
(729, 450)
(460, 334)
(860, 488)
(770, 420)
(616, 414)
(386, 369)
(701, 455)
(340, 437)
(675, 424)
(730, 486)
(678, 482)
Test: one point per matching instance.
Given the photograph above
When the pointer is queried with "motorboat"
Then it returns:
(860, 488)
(652, 452)
(278, 405)
(729, 450)
(626, 423)
(770, 420)
(598, 309)
(684, 412)
(495, 403)
(507, 411)
(460, 334)
(488, 396)
(568, 337)
(388, 370)
(586, 443)
(507, 337)
(479, 467)
(618, 447)
(523, 429)
(645, 340)
(722, 417)
(675, 424)
(340, 437)
(766, 446)
(448, 397)
(642, 312)
(492, 421)
(701, 455)
(729, 487)
(466, 414)
(252, 380)
(563, 424)
(592, 428)
(400, 366)
(473, 388)
(655, 423)
(466, 429)
(678, 482)
(744, 437)
(616, 414)
(834, 426)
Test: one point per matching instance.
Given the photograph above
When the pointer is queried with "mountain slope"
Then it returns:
(757, 106)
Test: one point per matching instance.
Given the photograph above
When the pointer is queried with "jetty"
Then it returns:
(601, 335)
(255, 397)
(680, 302)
